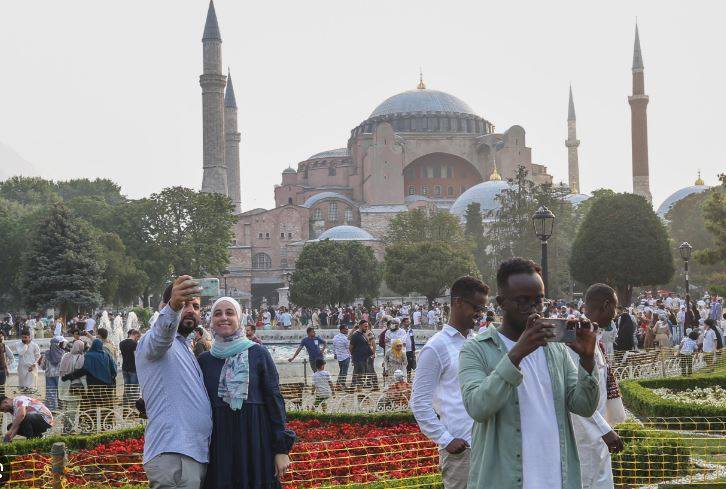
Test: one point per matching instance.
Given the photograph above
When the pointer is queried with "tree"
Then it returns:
(426, 268)
(122, 282)
(621, 242)
(102, 188)
(474, 234)
(334, 272)
(29, 190)
(63, 266)
(422, 225)
(714, 213)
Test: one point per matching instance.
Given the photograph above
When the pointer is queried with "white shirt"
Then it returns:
(321, 382)
(399, 334)
(340, 347)
(540, 434)
(431, 315)
(436, 390)
(410, 340)
(709, 341)
(417, 318)
(266, 317)
(91, 323)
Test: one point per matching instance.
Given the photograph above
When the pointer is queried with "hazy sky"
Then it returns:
(111, 89)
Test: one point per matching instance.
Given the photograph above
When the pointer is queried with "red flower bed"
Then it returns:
(325, 454)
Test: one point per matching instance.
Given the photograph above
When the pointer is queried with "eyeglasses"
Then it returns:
(477, 307)
(526, 305)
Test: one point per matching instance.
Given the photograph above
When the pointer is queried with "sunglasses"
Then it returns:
(477, 307)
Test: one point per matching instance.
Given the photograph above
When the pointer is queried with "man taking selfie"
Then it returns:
(519, 387)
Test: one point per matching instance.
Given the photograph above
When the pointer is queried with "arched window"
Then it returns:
(411, 190)
(348, 216)
(318, 214)
(289, 200)
(261, 261)
(437, 190)
(333, 212)
(283, 263)
(424, 189)
(450, 190)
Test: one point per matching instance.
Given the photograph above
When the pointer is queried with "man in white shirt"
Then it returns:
(417, 318)
(436, 398)
(431, 317)
(341, 352)
(709, 339)
(90, 324)
(28, 355)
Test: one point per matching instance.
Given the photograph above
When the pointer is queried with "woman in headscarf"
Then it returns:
(395, 358)
(70, 392)
(50, 361)
(250, 445)
(100, 372)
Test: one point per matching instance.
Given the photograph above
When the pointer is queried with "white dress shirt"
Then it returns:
(417, 318)
(340, 347)
(436, 398)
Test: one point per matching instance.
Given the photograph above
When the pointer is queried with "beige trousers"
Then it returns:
(168, 470)
(454, 468)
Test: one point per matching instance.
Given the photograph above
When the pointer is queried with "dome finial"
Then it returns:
(699, 180)
(495, 174)
(421, 84)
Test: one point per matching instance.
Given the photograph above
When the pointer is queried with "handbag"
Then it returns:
(614, 408)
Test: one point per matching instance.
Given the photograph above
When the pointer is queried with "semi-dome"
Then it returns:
(332, 153)
(289, 169)
(346, 233)
(485, 194)
(576, 199)
(673, 198)
(312, 200)
(422, 100)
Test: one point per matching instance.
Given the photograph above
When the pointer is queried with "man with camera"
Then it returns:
(519, 386)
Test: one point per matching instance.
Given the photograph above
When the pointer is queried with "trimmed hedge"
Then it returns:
(640, 398)
(73, 442)
(432, 481)
(389, 418)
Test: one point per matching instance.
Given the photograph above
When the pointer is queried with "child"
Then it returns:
(686, 350)
(322, 385)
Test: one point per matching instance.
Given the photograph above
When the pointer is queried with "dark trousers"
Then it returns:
(411, 365)
(372, 377)
(360, 373)
(3, 378)
(33, 426)
(343, 375)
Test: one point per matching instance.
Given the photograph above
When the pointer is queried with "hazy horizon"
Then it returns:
(111, 90)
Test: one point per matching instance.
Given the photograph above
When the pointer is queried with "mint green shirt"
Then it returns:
(489, 383)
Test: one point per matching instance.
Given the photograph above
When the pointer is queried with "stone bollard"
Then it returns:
(58, 461)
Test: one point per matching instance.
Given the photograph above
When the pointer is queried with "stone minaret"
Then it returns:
(639, 125)
(212, 82)
(231, 146)
(573, 165)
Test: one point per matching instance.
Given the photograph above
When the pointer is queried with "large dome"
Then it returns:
(346, 233)
(485, 194)
(422, 100)
(679, 195)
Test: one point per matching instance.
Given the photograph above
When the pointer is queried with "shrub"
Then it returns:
(143, 314)
(73, 442)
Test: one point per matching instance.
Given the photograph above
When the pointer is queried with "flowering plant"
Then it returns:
(712, 396)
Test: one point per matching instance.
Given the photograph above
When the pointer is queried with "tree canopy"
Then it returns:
(423, 225)
(334, 272)
(623, 243)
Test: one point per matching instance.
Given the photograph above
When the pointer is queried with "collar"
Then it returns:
(452, 331)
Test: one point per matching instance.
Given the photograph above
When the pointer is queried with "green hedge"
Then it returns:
(648, 457)
(73, 442)
(639, 397)
(387, 418)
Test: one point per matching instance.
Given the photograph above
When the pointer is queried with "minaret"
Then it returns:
(212, 82)
(639, 125)
(231, 146)
(573, 165)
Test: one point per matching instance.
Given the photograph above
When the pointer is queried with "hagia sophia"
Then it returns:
(421, 148)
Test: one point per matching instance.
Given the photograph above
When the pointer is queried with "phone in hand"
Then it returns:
(209, 286)
(563, 329)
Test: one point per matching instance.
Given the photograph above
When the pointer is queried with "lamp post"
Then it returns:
(224, 277)
(543, 222)
(685, 250)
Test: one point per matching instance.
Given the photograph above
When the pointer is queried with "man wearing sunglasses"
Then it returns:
(519, 388)
(436, 399)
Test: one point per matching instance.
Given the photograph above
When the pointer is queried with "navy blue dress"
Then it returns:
(244, 442)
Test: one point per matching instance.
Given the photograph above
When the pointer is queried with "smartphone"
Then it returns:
(209, 286)
(563, 329)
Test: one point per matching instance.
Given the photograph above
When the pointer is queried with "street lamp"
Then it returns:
(224, 277)
(543, 222)
(685, 250)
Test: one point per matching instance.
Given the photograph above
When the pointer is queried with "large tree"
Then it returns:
(474, 234)
(63, 266)
(424, 225)
(426, 268)
(714, 213)
(29, 190)
(334, 272)
(623, 243)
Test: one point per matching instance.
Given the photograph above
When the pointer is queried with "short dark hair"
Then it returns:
(252, 327)
(466, 286)
(131, 332)
(342, 327)
(310, 328)
(596, 294)
(2, 398)
(103, 333)
(25, 332)
(515, 266)
(166, 296)
(319, 363)
(711, 323)
(360, 323)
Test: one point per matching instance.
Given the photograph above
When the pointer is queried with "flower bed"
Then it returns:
(704, 396)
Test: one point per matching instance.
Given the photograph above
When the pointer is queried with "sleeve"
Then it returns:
(282, 438)
(9, 355)
(158, 340)
(422, 397)
(485, 395)
(595, 425)
(76, 374)
(582, 389)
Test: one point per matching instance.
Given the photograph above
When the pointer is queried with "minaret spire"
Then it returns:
(229, 99)
(231, 146)
(421, 85)
(639, 124)
(573, 164)
(211, 27)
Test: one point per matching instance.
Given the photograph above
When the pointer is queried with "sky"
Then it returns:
(111, 89)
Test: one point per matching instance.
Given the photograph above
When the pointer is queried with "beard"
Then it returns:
(187, 324)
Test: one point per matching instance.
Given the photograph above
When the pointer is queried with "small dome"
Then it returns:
(576, 199)
(346, 233)
(326, 195)
(485, 194)
(415, 198)
(422, 100)
(679, 195)
(289, 169)
(333, 153)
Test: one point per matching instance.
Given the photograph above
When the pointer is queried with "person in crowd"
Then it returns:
(709, 341)
(397, 395)
(519, 387)
(107, 344)
(50, 362)
(322, 385)
(128, 366)
(58, 329)
(28, 355)
(341, 352)
(410, 343)
(436, 397)
(649, 329)
(395, 358)
(393, 332)
(250, 332)
(361, 352)
(6, 360)
(99, 370)
(716, 310)
(686, 350)
(31, 418)
(176, 440)
(71, 392)
(595, 437)
(662, 331)
(626, 339)
(315, 346)
(200, 344)
(249, 444)
(286, 319)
